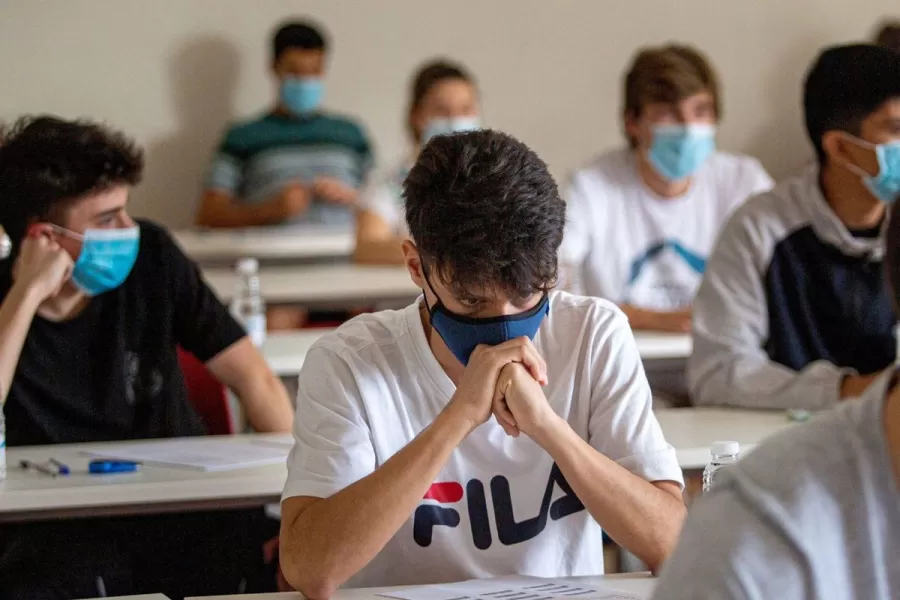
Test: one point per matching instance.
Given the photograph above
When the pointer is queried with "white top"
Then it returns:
(383, 195)
(285, 351)
(321, 283)
(264, 243)
(630, 246)
(368, 389)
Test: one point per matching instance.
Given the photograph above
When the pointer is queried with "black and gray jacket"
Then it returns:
(790, 302)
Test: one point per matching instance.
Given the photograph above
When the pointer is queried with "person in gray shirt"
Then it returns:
(814, 512)
(797, 268)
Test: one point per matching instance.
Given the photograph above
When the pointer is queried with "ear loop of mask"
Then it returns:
(860, 143)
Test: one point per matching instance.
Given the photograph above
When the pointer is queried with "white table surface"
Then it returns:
(692, 431)
(639, 584)
(322, 284)
(264, 243)
(27, 495)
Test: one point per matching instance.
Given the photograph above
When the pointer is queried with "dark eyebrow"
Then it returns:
(108, 213)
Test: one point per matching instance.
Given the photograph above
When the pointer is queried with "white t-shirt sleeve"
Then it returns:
(379, 196)
(576, 245)
(332, 441)
(622, 425)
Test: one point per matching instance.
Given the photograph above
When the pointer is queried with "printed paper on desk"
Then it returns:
(204, 454)
(521, 588)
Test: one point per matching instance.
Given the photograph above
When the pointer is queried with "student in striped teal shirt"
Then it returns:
(297, 164)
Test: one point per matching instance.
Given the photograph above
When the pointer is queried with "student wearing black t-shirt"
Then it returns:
(95, 306)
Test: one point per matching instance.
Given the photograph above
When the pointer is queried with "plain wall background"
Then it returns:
(173, 73)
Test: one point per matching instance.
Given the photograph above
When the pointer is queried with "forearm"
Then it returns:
(334, 538)
(220, 210)
(16, 313)
(641, 517)
(266, 404)
(379, 252)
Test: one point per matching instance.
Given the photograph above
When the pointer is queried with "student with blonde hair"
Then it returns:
(642, 219)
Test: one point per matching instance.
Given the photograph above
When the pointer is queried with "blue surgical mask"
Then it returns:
(107, 257)
(886, 185)
(445, 126)
(677, 151)
(301, 95)
(462, 334)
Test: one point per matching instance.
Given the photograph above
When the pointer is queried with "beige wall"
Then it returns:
(173, 72)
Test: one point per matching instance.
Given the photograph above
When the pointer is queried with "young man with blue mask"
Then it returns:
(492, 427)
(95, 308)
(298, 163)
(793, 311)
(642, 220)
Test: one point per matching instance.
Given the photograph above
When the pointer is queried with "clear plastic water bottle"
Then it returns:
(247, 305)
(723, 454)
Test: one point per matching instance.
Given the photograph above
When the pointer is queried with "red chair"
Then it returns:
(207, 395)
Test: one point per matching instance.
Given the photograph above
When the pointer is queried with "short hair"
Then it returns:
(46, 163)
(485, 213)
(428, 76)
(298, 34)
(888, 36)
(845, 85)
(668, 74)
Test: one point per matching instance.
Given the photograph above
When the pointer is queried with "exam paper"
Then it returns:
(509, 589)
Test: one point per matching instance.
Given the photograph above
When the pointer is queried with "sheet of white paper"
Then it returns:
(204, 454)
(279, 441)
(510, 589)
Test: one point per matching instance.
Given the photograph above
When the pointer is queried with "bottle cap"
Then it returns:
(727, 448)
(248, 266)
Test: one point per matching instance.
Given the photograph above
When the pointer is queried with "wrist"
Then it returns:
(458, 419)
(549, 430)
(27, 294)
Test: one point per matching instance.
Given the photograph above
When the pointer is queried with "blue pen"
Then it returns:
(106, 467)
(62, 468)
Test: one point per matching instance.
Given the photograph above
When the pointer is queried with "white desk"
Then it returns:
(639, 584)
(692, 431)
(28, 495)
(322, 284)
(286, 350)
(266, 244)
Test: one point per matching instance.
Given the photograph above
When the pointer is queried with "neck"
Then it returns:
(849, 198)
(67, 304)
(892, 431)
(451, 365)
(656, 182)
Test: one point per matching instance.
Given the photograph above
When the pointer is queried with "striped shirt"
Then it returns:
(257, 159)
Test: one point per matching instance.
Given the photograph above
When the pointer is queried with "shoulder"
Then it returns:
(728, 164)
(801, 474)
(566, 308)
(361, 338)
(345, 127)
(612, 168)
(582, 323)
(241, 135)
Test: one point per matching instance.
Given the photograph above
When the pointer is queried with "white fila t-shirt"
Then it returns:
(500, 506)
(630, 246)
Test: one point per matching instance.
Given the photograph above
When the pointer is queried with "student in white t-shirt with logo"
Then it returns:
(642, 220)
(492, 427)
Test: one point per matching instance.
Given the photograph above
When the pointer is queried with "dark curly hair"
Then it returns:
(485, 213)
(47, 162)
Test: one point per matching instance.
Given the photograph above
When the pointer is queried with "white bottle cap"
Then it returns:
(248, 266)
(725, 448)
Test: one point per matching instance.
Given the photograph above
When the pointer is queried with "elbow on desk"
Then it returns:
(312, 583)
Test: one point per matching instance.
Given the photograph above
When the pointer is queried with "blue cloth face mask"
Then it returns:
(886, 185)
(462, 334)
(301, 95)
(107, 257)
(678, 151)
(445, 126)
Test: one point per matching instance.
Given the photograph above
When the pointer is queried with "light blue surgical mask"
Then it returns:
(463, 334)
(301, 95)
(445, 126)
(107, 257)
(677, 151)
(886, 184)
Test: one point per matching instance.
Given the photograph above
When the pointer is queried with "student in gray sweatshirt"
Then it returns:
(793, 310)
(813, 513)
